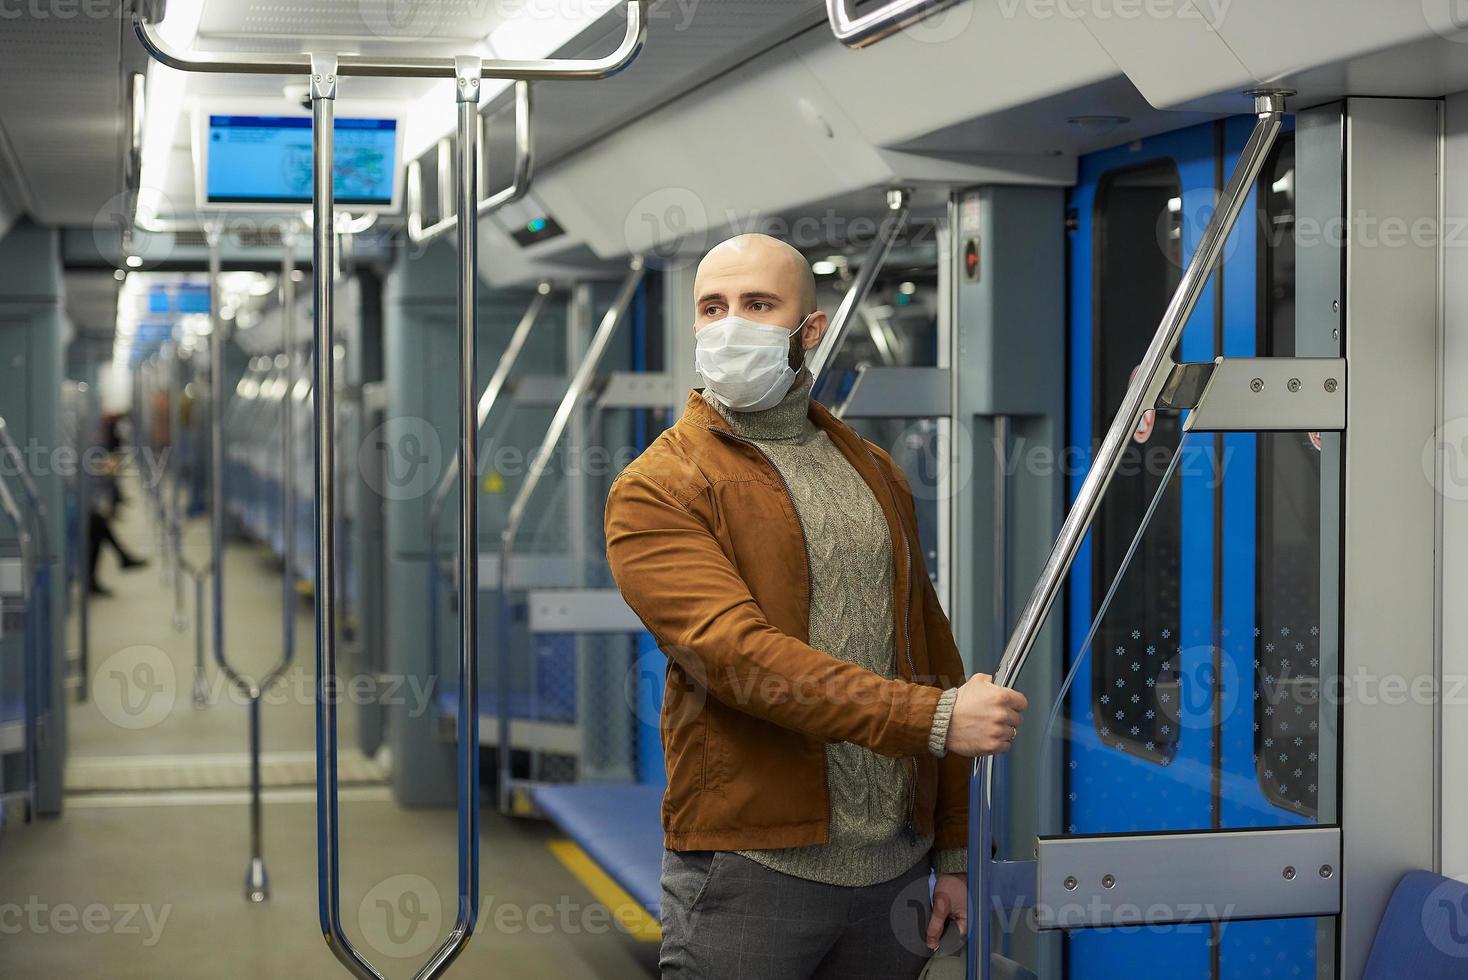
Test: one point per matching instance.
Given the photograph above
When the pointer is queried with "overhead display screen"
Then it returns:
(266, 160)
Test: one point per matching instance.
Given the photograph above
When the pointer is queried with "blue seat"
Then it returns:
(1424, 932)
(619, 826)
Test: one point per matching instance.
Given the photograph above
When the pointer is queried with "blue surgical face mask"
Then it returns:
(745, 364)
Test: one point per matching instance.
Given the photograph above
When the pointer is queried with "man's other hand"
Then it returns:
(986, 717)
(950, 901)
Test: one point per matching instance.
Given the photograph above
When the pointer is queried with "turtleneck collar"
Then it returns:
(789, 421)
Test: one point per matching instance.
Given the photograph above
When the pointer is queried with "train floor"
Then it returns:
(142, 875)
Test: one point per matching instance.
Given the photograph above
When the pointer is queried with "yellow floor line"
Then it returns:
(626, 911)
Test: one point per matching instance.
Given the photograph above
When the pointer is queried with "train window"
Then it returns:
(1287, 637)
(1138, 249)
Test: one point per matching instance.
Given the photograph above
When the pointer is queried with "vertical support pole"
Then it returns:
(257, 882)
(169, 480)
(467, 70)
(323, 224)
(216, 445)
(288, 446)
(201, 684)
(84, 543)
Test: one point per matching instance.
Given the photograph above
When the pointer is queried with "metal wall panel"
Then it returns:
(1391, 334)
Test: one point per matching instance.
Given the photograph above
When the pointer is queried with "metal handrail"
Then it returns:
(445, 484)
(857, 31)
(899, 206)
(518, 187)
(1142, 392)
(323, 72)
(261, 63)
(30, 668)
(39, 516)
(580, 382)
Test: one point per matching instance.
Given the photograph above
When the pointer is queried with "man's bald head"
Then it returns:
(764, 256)
(759, 278)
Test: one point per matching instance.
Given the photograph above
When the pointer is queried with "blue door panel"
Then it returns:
(1212, 779)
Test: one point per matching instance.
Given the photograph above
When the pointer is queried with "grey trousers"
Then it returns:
(726, 917)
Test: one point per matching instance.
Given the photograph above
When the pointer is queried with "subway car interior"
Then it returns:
(326, 328)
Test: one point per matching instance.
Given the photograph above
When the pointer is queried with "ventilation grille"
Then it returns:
(255, 238)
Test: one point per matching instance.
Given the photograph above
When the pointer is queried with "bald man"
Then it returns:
(816, 724)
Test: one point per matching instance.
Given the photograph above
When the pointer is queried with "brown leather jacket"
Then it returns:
(707, 548)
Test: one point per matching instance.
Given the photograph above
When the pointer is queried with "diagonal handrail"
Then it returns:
(899, 206)
(1142, 393)
(441, 491)
(30, 667)
(570, 401)
(858, 31)
(518, 187)
(323, 72)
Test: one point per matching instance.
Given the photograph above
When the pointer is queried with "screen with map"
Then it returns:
(267, 160)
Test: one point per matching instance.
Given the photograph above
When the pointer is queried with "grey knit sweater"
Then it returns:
(851, 617)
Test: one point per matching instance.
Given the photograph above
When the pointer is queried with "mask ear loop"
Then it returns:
(797, 344)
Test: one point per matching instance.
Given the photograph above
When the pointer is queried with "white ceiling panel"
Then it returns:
(62, 110)
(368, 21)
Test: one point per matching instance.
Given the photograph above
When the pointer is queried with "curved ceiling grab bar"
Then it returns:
(517, 188)
(373, 66)
(857, 31)
(323, 72)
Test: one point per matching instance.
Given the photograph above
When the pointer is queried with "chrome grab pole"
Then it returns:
(519, 183)
(257, 879)
(216, 446)
(324, 71)
(288, 448)
(85, 422)
(899, 205)
(580, 382)
(445, 484)
(858, 31)
(323, 215)
(1142, 392)
(168, 477)
(468, 86)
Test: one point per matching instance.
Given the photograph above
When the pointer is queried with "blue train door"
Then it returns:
(1183, 634)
